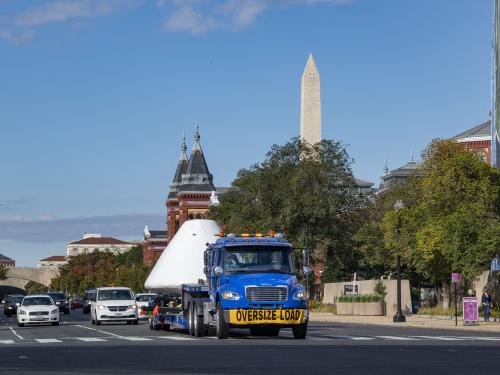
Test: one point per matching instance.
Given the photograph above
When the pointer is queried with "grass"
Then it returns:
(322, 307)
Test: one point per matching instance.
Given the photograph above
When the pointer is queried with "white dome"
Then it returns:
(182, 260)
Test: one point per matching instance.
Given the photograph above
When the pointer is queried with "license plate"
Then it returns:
(288, 316)
(37, 318)
(118, 314)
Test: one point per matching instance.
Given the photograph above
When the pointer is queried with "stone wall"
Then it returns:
(332, 290)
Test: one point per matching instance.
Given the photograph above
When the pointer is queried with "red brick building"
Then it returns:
(477, 140)
(6, 261)
(191, 194)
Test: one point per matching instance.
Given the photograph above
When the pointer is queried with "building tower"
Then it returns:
(310, 104)
(190, 192)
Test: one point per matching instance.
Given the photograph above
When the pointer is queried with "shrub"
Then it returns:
(380, 289)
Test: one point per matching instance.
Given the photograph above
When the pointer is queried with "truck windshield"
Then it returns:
(257, 259)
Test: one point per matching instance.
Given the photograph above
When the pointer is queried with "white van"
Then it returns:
(113, 304)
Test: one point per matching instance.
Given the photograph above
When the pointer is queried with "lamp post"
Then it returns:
(399, 317)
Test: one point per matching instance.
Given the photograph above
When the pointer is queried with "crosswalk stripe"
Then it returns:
(133, 338)
(398, 338)
(6, 341)
(443, 338)
(47, 341)
(180, 338)
(90, 339)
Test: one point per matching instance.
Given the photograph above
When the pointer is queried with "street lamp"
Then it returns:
(399, 317)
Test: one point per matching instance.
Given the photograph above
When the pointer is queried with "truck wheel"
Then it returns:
(222, 326)
(198, 324)
(299, 331)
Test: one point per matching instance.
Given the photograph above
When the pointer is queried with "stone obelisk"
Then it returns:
(310, 104)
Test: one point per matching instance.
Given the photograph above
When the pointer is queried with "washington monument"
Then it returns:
(310, 104)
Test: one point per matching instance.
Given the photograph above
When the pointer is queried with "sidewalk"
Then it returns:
(414, 321)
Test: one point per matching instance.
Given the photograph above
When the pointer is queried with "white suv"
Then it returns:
(113, 305)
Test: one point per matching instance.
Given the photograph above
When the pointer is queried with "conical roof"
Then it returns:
(197, 176)
(181, 169)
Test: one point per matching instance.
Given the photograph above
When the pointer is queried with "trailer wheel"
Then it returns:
(222, 326)
(299, 331)
(166, 327)
(191, 319)
(150, 323)
(198, 323)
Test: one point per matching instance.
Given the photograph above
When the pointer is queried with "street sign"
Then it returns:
(456, 277)
(350, 289)
(471, 316)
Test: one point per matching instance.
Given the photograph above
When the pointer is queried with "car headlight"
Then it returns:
(22, 312)
(232, 296)
(101, 307)
(300, 295)
(58, 303)
(55, 311)
(10, 307)
(132, 307)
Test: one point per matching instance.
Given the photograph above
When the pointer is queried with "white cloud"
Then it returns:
(17, 38)
(190, 20)
(243, 13)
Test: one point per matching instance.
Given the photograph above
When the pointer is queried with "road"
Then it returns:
(78, 347)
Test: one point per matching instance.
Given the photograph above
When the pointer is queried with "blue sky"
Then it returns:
(95, 95)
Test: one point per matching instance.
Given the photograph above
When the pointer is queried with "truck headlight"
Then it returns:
(101, 307)
(232, 296)
(300, 295)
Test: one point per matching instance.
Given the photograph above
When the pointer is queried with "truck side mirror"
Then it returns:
(218, 270)
(305, 257)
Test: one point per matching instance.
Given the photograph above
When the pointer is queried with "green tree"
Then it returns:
(304, 191)
(3, 272)
(450, 221)
(32, 287)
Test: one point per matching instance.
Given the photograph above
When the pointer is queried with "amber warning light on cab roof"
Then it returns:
(271, 233)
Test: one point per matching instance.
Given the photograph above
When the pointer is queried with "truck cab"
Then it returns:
(252, 284)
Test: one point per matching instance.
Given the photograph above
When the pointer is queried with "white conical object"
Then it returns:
(182, 260)
(310, 104)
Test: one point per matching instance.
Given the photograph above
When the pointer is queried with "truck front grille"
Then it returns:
(266, 293)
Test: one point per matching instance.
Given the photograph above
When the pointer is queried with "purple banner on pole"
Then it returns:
(470, 309)
(455, 277)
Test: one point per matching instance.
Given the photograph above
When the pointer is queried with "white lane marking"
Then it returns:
(6, 341)
(90, 339)
(398, 338)
(362, 338)
(133, 338)
(16, 334)
(481, 338)
(443, 338)
(47, 341)
(98, 330)
(180, 338)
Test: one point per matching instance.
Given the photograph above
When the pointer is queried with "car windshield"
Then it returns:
(257, 259)
(114, 294)
(57, 295)
(32, 301)
(16, 299)
(145, 298)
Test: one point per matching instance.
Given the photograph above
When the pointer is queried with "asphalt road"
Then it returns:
(78, 347)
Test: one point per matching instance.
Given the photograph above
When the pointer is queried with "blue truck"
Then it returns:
(250, 283)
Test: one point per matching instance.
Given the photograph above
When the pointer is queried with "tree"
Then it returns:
(304, 191)
(102, 269)
(450, 221)
(32, 287)
(3, 272)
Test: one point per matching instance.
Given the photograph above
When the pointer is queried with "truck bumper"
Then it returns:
(251, 317)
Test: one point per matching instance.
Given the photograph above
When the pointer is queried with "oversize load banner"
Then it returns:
(470, 309)
(287, 316)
